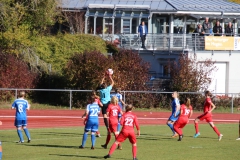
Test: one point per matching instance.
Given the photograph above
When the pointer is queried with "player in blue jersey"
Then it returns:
(21, 105)
(175, 112)
(120, 103)
(92, 122)
(105, 97)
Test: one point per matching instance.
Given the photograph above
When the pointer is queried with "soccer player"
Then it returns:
(105, 97)
(92, 122)
(185, 113)
(97, 100)
(128, 121)
(113, 111)
(21, 105)
(175, 111)
(120, 103)
(207, 115)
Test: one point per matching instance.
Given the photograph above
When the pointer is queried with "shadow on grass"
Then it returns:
(51, 146)
(81, 156)
(60, 134)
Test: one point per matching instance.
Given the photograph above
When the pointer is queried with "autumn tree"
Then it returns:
(14, 73)
(235, 1)
(191, 75)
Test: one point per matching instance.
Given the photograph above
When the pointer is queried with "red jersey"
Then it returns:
(185, 112)
(128, 121)
(113, 111)
(98, 101)
(207, 105)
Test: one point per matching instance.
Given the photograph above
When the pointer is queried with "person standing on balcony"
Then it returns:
(217, 29)
(229, 29)
(207, 27)
(198, 34)
(142, 32)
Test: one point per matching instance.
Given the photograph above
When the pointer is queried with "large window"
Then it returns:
(126, 26)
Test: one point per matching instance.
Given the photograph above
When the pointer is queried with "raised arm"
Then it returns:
(112, 82)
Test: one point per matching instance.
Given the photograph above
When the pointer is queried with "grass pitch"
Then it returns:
(154, 143)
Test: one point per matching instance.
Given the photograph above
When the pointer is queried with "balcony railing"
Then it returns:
(166, 42)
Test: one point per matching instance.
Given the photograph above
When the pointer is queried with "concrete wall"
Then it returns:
(227, 78)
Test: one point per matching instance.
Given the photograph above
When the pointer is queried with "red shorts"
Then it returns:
(113, 127)
(180, 123)
(124, 135)
(205, 116)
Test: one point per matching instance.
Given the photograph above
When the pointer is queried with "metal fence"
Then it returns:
(163, 41)
(228, 102)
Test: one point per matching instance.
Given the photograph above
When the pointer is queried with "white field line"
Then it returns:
(140, 118)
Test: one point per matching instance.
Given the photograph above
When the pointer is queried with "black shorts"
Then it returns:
(104, 108)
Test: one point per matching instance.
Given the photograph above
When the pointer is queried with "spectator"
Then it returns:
(143, 31)
(217, 29)
(198, 34)
(229, 29)
(207, 27)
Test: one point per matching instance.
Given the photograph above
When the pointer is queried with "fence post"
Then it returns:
(70, 100)
(232, 103)
(16, 93)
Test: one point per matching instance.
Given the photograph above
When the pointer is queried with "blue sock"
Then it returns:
(20, 135)
(27, 133)
(118, 127)
(84, 139)
(0, 155)
(93, 138)
(171, 127)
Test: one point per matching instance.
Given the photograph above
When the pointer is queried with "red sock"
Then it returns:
(196, 127)
(112, 149)
(108, 139)
(178, 130)
(216, 130)
(134, 151)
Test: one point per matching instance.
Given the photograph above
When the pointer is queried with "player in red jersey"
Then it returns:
(207, 115)
(113, 111)
(185, 113)
(128, 121)
(97, 100)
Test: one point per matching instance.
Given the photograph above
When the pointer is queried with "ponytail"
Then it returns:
(188, 102)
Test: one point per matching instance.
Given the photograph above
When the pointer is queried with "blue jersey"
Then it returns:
(175, 103)
(105, 95)
(119, 96)
(21, 106)
(93, 111)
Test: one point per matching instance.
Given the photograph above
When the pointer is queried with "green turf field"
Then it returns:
(154, 143)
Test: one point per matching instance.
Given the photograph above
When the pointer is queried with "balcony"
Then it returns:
(160, 42)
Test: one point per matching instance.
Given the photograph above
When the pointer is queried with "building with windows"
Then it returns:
(171, 24)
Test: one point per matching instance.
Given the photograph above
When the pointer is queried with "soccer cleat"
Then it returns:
(104, 146)
(20, 142)
(29, 140)
(107, 156)
(220, 137)
(175, 135)
(135, 158)
(98, 135)
(196, 135)
(238, 139)
(119, 147)
(81, 147)
(92, 148)
(180, 138)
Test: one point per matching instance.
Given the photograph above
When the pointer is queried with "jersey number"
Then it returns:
(129, 122)
(115, 112)
(20, 108)
(94, 112)
(187, 111)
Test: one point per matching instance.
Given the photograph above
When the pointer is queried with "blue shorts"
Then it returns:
(173, 118)
(20, 123)
(91, 126)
